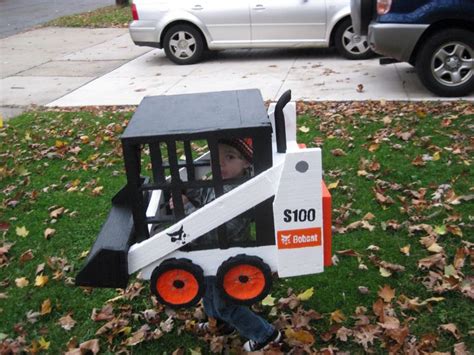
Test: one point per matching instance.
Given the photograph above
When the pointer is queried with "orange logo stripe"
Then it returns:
(299, 238)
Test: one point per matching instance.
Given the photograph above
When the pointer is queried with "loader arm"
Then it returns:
(207, 218)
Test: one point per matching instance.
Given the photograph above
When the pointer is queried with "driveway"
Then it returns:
(82, 67)
(19, 15)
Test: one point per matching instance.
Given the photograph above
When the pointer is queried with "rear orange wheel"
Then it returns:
(244, 279)
(177, 283)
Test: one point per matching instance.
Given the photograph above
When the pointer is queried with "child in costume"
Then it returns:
(235, 158)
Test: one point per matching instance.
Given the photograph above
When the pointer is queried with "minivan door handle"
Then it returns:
(197, 7)
(259, 7)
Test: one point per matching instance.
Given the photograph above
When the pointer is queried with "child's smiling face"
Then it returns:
(232, 163)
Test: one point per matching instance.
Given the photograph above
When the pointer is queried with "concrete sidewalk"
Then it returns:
(42, 65)
(81, 67)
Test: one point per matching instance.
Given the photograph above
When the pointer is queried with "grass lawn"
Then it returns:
(110, 16)
(400, 176)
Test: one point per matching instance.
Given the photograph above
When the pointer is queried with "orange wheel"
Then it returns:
(177, 283)
(244, 279)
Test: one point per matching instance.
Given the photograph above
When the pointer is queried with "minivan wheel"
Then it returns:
(349, 44)
(183, 44)
(445, 63)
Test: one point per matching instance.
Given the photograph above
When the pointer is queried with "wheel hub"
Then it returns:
(178, 284)
(183, 44)
(243, 279)
(452, 63)
(356, 39)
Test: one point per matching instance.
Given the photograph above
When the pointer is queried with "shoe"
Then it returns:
(252, 345)
(219, 327)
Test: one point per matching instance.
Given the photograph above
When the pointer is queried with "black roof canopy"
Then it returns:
(193, 114)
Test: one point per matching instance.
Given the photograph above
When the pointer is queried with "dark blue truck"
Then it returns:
(435, 36)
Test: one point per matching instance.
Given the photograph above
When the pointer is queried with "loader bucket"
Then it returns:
(107, 263)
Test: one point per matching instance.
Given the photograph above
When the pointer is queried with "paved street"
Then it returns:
(19, 15)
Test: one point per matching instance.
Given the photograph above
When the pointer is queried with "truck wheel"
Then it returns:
(177, 283)
(183, 44)
(244, 279)
(349, 44)
(445, 63)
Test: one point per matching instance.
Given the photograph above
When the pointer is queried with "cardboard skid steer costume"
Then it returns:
(288, 201)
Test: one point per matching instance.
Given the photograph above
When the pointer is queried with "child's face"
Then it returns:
(232, 163)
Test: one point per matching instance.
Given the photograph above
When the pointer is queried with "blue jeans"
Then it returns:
(247, 323)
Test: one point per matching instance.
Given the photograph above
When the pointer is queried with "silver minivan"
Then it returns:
(186, 28)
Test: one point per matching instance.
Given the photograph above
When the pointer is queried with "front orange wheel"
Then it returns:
(244, 279)
(177, 283)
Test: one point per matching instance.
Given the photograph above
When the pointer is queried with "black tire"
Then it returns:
(231, 273)
(170, 290)
(191, 41)
(430, 64)
(350, 45)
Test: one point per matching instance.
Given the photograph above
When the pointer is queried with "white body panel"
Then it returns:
(243, 23)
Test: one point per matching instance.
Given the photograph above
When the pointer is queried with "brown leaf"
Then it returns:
(67, 322)
(106, 313)
(386, 293)
(348, 252)
(90, 345)
(451, 328)
(299, 337)
(26, 256)
(217, 344)
(138, 336)
(398, 334)
(21, 282)
(46, 307)
(49, 232)
(337, 316)
(360, 88)
(41, 280)
(338, 152)
(57, 212)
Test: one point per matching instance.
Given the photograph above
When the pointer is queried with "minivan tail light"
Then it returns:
(134, 12)
(383, 6)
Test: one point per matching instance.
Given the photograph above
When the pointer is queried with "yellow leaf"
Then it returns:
(1, 121)
(306, 295)
(333, 185)
(45, 307)
(384, 272)
(21, 282)
(22, 231)
(125, 330)
(406, 250)
(373, 147)
(43, 344)
(268, 301)
(337, 316)
(41, 280)
(436, 156)
(304, 129)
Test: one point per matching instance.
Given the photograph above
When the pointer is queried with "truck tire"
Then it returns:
(244, 279)
(177, 283)
(183, 44)
(349, 44)
(445, 63)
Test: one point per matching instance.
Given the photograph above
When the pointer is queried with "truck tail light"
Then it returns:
(383, 6)
(134, 12)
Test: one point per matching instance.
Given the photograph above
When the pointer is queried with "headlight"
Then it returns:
(383, 6)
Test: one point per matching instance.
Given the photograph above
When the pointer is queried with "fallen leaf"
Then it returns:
(90, 345)
(43, 344)
(67, 322)
(56, 213)
(338, 152)
(306, 295)
(303, 129)
(49, 232)
(451, 328)
(360, 88)
(386, 293)
(22, 231)
(26, 256)
(268, 301)
(46, 307)
(337, 316)
(333, 185)
(299, 337)
(41, 280)
(21, 282)
(384, 272)
(405, 250)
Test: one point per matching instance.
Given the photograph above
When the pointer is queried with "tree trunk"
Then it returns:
(121, 2)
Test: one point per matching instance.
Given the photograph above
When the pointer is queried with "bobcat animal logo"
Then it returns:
(178, 236)
(285, 239)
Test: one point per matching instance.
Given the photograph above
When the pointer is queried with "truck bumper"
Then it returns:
(395, 40)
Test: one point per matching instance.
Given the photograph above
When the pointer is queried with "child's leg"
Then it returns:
(248, 324)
